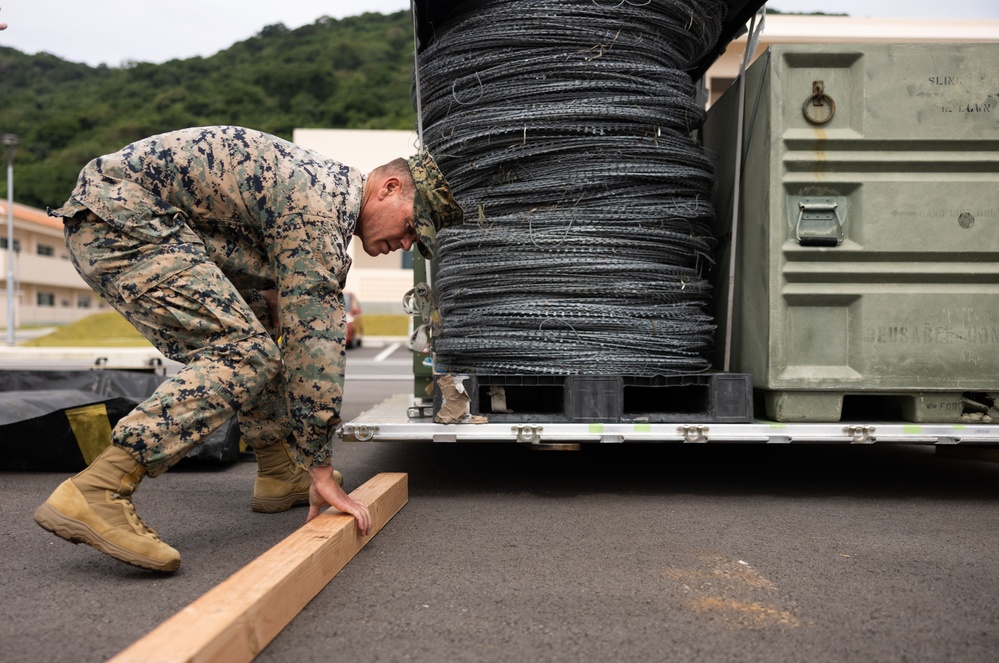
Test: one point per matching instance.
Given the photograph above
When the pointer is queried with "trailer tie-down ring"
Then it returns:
(528, 434)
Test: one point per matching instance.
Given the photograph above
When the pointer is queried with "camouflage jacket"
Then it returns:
(272, 215)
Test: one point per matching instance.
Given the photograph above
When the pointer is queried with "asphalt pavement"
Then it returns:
(612, 553)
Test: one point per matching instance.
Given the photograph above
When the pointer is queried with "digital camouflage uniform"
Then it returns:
(180, 232)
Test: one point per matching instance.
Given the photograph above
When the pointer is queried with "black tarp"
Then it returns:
(49, 419)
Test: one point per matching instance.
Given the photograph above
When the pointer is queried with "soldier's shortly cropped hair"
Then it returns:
(398, 168)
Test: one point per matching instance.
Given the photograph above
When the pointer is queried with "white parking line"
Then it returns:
(387, 351)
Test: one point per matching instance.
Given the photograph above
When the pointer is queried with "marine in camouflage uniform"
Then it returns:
(189, 234)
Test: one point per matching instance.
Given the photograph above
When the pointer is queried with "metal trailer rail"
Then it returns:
(402, 419)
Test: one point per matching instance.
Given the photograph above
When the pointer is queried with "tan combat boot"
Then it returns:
(95, 508)
(280, 483)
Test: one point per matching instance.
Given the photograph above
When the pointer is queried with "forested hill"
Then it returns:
(353, 73)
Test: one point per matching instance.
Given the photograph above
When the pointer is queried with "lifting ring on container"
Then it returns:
(819, 99)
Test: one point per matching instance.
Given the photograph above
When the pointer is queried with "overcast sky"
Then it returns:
(115, 31)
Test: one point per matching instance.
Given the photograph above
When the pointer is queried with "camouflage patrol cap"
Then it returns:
(434, 206)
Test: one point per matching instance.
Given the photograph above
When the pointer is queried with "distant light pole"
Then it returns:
(10, 141)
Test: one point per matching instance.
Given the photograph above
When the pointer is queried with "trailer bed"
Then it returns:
(401, 418)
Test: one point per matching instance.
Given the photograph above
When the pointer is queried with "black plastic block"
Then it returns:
(695, 398)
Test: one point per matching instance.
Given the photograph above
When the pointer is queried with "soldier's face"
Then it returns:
(387, 225)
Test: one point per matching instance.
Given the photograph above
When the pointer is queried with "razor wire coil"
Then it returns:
(563, 127)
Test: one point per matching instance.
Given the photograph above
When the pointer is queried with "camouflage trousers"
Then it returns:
(181, 301)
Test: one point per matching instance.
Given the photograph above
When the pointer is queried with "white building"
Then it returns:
(48, 291)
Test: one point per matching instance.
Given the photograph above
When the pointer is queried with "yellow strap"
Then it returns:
(92, 429)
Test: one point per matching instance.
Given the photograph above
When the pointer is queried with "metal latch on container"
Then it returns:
(819, 222)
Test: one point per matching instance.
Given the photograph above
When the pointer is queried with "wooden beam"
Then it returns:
(240, 616)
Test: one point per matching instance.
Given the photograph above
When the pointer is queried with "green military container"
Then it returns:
(866, 266)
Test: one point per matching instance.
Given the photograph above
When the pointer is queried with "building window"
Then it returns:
(46, 299)
(82, 301)
(407, 258)
(46, 250)
(3, 244)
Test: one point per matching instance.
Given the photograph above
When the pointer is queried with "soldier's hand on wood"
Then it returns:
(325, 491)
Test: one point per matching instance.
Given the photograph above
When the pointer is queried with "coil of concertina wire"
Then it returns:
(564, 131)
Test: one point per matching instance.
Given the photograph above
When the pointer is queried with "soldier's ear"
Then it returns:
(393, 184)
(385, 189)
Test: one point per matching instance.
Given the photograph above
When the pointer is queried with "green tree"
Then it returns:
(352, 73)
